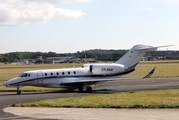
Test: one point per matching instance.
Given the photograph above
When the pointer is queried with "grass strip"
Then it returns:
(27, 89)
(168, 68)
(141, 99)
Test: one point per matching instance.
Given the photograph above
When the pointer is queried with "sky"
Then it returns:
(68, 26)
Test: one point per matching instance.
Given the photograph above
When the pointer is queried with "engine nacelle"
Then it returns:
(106, 69)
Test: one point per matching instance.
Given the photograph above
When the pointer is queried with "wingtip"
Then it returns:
(165, 46)
(151, 73)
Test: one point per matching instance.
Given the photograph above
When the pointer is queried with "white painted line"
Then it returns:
(67, 111)
(9, 118)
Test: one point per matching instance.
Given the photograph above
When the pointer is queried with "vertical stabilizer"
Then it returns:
(134, 55)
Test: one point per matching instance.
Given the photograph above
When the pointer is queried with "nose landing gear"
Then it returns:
(18, 91)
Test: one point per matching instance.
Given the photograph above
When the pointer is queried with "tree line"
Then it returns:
(98, 54)
(3, 59)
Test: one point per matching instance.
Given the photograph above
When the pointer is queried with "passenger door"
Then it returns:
(40, 76)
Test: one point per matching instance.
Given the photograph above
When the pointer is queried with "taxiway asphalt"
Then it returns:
(9, 98)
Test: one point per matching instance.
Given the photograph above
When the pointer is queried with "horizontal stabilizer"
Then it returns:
(150, 48)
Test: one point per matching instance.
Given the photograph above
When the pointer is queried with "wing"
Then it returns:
(93, 81)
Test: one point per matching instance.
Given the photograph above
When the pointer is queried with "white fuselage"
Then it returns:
(56, 77)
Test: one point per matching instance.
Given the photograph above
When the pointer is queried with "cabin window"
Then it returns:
(45, 74)
(57, 73)
(29, 75)
(25, 75)
(68, 72)
(51, 73)
(74, 72)
(63, 73)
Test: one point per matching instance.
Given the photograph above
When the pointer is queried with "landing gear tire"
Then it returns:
(89, 89)
(18, 92)
(80, 88)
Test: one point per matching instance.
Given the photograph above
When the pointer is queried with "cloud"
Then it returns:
(20, 12)
(171, 0)
(46, 1)
(59, 1)
(147, 8)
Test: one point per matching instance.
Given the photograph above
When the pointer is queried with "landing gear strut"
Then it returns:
(18, 91)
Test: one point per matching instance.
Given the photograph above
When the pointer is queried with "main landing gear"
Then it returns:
(88, 89)
(80, 88)
(18, 91)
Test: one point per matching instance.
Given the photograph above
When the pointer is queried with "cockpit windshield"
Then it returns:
(24, 75)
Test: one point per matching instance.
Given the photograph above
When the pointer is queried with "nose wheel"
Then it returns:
(18, 91)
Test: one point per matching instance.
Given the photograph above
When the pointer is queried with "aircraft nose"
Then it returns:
(6, 83)
(9, 82)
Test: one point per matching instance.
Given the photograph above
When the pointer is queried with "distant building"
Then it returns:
(144, 59)
(25, 61)
(53, 60)
(39, 60)
(56, 60)
(88, 59)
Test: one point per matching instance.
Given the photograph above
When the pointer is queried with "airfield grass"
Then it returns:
(141, 99)
(168, 68)
(164, 69)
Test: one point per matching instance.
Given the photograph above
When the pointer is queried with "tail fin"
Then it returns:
(134, 55)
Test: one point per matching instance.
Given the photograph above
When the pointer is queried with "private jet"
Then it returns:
(85, 76)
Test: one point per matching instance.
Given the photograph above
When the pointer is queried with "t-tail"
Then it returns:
(135, 54)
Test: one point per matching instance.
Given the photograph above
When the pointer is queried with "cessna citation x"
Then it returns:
(82, 78)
